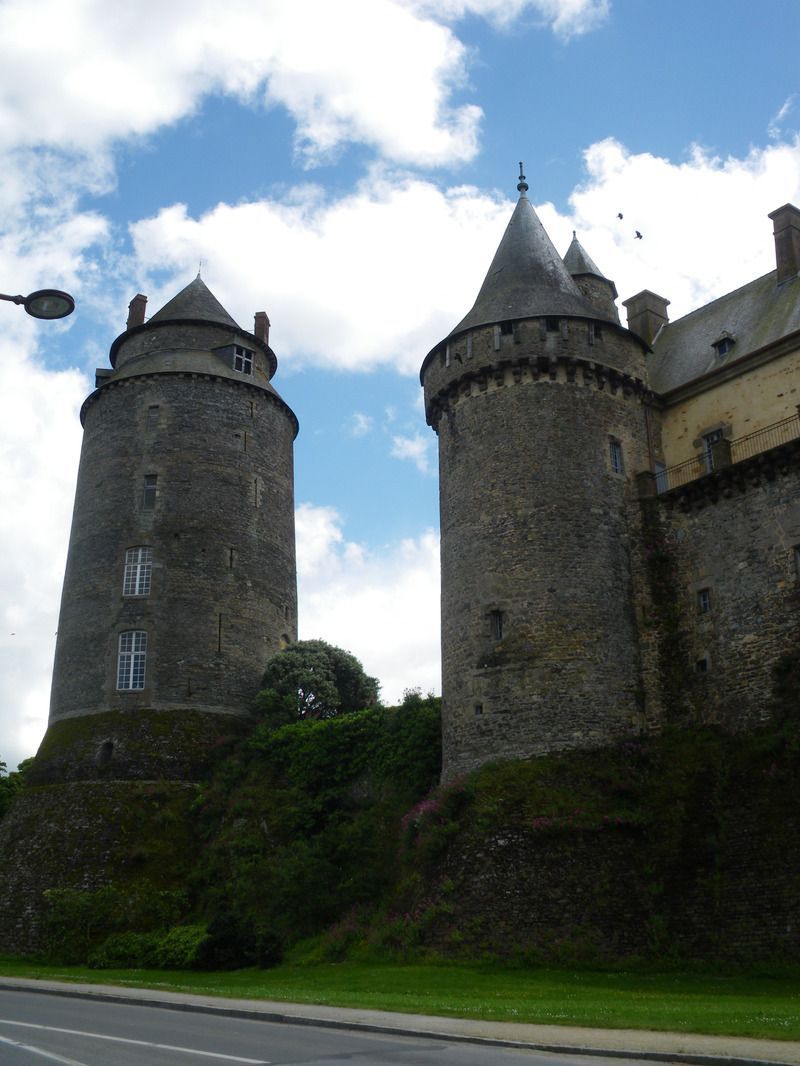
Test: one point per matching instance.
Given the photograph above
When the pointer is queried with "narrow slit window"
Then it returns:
(149, 491)
(131, 660)
(704, 601)
(138, 572)
(497, 623)
(797, 561)
(152, 416)
(615, 455)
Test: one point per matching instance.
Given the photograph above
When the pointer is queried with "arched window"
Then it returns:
(131, 660)
(138, 569)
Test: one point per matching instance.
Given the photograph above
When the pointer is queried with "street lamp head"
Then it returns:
(49, 303)
(45, 303)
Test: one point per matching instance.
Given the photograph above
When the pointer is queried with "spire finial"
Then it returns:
(522, 187)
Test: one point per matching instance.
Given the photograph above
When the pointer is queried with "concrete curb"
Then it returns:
(427, 1026)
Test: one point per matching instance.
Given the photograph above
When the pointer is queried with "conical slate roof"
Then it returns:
(578, 261)
(196, 301)
(527, 277)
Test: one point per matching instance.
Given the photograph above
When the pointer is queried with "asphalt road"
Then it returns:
(39, 1029)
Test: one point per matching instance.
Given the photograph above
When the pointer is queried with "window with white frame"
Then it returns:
(131, 660)
(242, 359)
(138, 570)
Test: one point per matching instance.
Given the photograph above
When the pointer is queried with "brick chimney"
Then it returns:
(786, 230)
(136, 311)
(647, 313)
(261, 327)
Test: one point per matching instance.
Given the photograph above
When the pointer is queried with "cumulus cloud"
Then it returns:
(381, 604)
(704, 219)
(371, 72)
(343, 282)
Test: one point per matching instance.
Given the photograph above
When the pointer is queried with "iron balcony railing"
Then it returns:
(724, 453)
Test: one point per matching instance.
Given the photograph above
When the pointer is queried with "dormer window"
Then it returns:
(242, 359)
(723, 344)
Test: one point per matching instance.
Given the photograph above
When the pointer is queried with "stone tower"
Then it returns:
(538, 401)
(180, 580)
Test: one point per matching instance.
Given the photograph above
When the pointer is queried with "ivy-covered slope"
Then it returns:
(331, 839)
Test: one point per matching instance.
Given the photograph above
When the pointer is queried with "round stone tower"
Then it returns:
(180, 580)
(537, 399)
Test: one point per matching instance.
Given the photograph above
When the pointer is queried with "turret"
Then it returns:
(597, 289)
(180, 580)
(537, 399)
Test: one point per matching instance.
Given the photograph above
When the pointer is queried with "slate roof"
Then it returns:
(578, 261)
(196, 301)
(756, 315)
(527, 278)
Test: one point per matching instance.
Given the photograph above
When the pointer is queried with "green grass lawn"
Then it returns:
(734, 1005)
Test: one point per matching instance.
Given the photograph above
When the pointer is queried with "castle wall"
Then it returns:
(734, 538)
(223, 595)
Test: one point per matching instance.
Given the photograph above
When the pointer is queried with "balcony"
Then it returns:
(722, 455)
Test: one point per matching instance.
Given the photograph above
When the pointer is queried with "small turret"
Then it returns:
(598, 290)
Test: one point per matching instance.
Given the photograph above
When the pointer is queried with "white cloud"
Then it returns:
(567, 18)
(39, 446)
(774, 129)
(366, 71)
(381, 605)
(704, 220)
(360, 424)
(415, 448)
(343, 282)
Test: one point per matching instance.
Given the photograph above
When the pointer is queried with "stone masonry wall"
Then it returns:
(735, 537)
(223, 595)
(539, 644)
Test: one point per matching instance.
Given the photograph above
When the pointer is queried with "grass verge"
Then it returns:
(731, 1005)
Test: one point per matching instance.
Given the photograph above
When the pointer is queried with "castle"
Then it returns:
(620, 515)
(620, 507)
(620, 542)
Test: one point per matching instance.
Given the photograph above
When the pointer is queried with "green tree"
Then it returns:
(11, 783)
(314, 679)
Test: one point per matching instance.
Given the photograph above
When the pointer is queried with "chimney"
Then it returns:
(786, 230)
(136, 311)
(647, 313)
(261, 327)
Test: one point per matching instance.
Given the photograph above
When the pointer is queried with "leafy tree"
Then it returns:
(314, 679)
(11, 783)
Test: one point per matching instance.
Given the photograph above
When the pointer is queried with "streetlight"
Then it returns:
(45, 303)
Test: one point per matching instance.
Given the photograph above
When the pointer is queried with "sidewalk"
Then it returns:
(657, 1046)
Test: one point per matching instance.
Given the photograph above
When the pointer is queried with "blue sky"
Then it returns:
(350, 168)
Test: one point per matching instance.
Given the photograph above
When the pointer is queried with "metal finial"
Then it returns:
(523, 185)
(199, 267)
